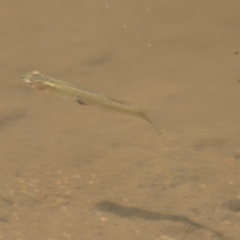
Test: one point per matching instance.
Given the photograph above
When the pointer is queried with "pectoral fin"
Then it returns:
(81, 102)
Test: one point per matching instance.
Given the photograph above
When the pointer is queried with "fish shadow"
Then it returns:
(131, 212)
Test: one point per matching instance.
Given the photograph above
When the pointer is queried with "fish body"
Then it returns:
(85, 96)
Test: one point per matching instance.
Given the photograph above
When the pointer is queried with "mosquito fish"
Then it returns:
(85, 96)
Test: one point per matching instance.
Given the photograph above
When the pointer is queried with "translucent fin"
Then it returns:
(84, 102)
(81, 102)
(153, 117)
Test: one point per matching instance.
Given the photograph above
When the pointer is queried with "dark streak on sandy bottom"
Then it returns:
(131, 212)
(8, 118)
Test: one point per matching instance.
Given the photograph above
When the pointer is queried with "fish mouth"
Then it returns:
(27, 81)
(26, 77)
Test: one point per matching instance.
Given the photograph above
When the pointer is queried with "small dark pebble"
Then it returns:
(2, 219)
(233, 205)
(237, 156)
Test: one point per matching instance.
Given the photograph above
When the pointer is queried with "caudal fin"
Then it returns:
(154, 118)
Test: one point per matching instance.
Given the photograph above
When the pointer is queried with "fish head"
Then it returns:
(33, 79)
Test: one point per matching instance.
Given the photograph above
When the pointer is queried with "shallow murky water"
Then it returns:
(77, 172)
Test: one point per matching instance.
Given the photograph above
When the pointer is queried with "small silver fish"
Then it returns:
(84, 96)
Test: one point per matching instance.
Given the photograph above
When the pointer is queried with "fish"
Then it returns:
(84, 96)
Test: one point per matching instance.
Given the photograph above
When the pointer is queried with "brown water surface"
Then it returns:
(77, 172)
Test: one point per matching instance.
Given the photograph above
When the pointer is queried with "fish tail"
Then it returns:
(152, 117)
